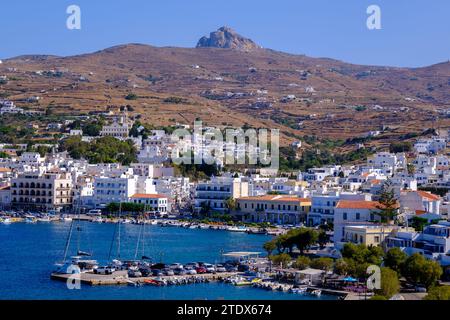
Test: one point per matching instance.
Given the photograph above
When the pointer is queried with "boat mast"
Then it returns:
(68, 241)
(118, 237)
(137, 242)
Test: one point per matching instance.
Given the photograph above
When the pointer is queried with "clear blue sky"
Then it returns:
(414, 32)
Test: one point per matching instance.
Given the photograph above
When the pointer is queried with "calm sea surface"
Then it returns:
(28, 253)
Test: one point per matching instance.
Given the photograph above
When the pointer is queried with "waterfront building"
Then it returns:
(323, 205)
(5, 197)
(279, 209)
(108, 189)
(152, 202)
(42, 191)
(214, 193)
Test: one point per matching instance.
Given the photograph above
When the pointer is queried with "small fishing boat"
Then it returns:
(301, 290)
(6, 220)
(44, 219)
(257, 231)
(153, 282)
(65, 218)
(316, 292)
(98, 220)
(30, 219)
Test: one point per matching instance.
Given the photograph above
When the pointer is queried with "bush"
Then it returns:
(325, 264)
(302, 262)
(281, 259)
(378, 298)
(131, 96)
(438, 293)
(396, 147)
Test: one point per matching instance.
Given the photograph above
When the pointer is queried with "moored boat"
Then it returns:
(237, 229)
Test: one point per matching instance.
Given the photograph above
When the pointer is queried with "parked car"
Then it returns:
(201, 270)
(220, 268)
(145, 272)
(104, 270)
(420, 289)
(179, 271)
(191, 272)
(231, 268)
(191, 265)
(168, 272)
(134, 273)
(159, 266)
(157, 272)
(174, 266)
(209, 268)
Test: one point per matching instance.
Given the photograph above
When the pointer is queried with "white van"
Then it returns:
(95, 212)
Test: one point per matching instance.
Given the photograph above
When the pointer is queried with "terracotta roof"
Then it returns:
(5, 170)
(357, 204)
(148, 196)
(375, 181)
(277, 197)
(428, 195)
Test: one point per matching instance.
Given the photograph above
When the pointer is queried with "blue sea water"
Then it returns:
(28, 253)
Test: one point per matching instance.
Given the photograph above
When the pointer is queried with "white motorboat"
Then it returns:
(238, 229)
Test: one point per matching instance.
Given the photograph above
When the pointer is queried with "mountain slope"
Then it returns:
(237, 86)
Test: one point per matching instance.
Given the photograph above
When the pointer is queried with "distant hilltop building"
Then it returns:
(7, 106)
(120, 128)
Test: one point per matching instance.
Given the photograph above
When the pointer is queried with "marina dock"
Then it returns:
(121, 278)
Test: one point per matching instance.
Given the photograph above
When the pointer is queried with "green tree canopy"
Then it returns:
(302, 262)
(420, 271)
(322, 263)
(390, 285)
(395, 259)
(281, 259)
(270, 246)
(304, 238)
(102, 150)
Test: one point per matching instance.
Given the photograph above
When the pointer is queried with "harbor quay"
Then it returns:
(122, 278)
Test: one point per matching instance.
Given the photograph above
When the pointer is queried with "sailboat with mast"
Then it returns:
(70, 266)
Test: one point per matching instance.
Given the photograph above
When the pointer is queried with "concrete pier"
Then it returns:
(121, 277)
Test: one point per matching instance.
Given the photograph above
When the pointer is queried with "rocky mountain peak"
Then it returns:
(226, 37)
